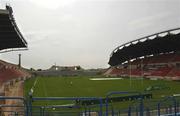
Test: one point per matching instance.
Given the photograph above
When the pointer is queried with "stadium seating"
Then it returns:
(174, 74)
(163, 66)
(136, 72)
(9, 71)
(176, 58)
(161, 71)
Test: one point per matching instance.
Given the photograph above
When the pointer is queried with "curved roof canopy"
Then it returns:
(10, 36)
(163, 42)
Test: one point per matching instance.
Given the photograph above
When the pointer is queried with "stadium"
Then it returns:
(142, 80)
(154, 56)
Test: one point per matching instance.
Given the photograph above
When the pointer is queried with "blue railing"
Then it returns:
(168, 106)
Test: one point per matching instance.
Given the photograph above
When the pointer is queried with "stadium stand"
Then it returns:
(11, 40)
(10, 71)
(162, 64)
(11, 75)
(149, 57)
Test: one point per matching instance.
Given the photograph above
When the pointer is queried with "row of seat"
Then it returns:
(159, 66)
(163, 58)
(161, 73)
(10, 71)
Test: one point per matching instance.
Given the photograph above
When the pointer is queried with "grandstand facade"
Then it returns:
(156, 57)
(11, 37)
(11, 76)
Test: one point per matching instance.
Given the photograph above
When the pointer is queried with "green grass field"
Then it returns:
(84, 87)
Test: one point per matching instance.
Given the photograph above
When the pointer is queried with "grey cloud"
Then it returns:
(85, 32)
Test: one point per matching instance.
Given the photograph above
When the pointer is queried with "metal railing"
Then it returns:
(168, 106)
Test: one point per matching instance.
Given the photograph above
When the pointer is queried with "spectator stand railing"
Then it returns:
(15, 112)
(35, 99)
(169, 104)
(141, 108)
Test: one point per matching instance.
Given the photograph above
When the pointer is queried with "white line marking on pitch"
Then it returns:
(35, 82)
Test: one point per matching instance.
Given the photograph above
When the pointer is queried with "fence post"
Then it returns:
(119, 113)
(30, 103)
(141, 107)
(85, 110)
(175, 110)
(112, 111)
(129, 111)
(89, 111)
(177, 106)
(101, 105)
(170, 109)
(27, 108)
(16, 113)
(158, 109)
(147, 112)
(106, 106)
(42, 111)
(166, 110)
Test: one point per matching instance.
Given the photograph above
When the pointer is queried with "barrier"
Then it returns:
(117, 99)
(168, 106)
(16, 113)
(124, 92)
(34, 99)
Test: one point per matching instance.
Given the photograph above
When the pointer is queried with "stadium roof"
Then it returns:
(162, 42)
(10, 37)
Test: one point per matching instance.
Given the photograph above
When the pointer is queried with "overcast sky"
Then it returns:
(85, 32)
